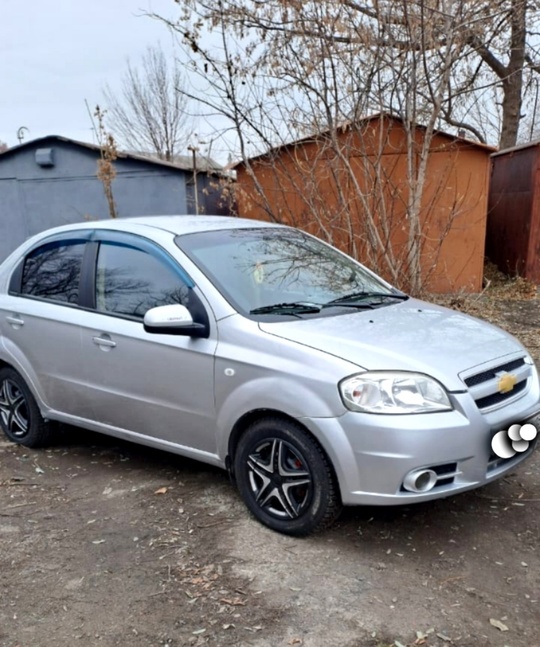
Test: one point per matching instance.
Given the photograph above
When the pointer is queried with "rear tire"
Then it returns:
(20, 417)
(285, 478)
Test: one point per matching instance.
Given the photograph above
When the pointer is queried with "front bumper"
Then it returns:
(372, 454)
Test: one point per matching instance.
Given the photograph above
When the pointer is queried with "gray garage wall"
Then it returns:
(34, 198)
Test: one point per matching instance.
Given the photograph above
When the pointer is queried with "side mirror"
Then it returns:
(173, 319)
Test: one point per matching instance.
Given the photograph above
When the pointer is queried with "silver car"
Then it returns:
(262, 350)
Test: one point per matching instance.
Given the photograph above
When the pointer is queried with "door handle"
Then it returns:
(104, 342)
(15, 321)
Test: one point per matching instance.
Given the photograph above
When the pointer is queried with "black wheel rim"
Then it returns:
(13, 409)
(280, 479)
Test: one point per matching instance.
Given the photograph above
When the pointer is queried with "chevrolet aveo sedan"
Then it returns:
(260, 349)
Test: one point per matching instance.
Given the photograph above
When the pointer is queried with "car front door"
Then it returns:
(154, 385)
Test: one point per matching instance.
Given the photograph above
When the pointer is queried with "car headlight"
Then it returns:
(393, 393)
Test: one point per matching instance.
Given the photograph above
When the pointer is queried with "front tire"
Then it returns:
(285, 478)
(20, 417)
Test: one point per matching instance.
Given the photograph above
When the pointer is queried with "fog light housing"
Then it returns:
(420, 480)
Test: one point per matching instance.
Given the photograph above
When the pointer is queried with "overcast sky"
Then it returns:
(56, 54)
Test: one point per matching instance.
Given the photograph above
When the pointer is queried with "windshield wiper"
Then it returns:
(293, 308)
(348, 298)
(299, 307)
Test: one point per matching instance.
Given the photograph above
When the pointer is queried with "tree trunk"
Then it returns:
(513, 80)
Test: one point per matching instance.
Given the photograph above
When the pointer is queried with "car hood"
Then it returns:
(410, 336)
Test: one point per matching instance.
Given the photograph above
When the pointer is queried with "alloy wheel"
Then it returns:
(13, 409)
(280, 479)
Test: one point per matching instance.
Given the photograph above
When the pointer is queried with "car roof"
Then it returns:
(176, 225)
(160, 228)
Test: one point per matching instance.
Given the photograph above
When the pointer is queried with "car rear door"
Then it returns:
(40, 321)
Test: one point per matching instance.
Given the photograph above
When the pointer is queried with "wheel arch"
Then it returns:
(254, 415)
(24, 422)
(11, 356)
(5, 365)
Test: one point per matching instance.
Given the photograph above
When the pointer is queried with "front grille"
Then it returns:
(484, 386)
(492, 373)
(497, 398)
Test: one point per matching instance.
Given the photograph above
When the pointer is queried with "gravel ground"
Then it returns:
(109, 543)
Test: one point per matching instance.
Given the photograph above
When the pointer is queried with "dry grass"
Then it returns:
(498, 287)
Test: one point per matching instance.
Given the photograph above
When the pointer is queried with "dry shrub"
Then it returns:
(499, 288)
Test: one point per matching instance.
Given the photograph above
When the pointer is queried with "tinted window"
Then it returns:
(130, 281)
(53, 271)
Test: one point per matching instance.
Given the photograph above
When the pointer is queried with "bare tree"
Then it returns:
(503, 45)
(282, 71)
(490, 80)
(149, 113)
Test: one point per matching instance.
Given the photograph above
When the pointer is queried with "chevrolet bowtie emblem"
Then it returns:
(506, 383)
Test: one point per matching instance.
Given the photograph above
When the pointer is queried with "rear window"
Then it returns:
(53, 271)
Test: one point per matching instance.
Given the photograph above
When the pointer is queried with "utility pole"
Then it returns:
(194, 150)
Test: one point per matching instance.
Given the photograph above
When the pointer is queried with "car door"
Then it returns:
(156, 385)
(40, 321)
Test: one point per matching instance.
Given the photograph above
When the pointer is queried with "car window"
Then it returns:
(53, 271)
(130, 281)
(258, 267)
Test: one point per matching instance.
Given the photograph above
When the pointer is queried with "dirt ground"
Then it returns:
(112, 544)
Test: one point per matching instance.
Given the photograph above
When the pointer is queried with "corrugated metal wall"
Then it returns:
(305, 186)
(34, 198)
(513, 231)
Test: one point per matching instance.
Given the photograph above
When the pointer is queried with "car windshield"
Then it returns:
(282, 271)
